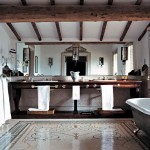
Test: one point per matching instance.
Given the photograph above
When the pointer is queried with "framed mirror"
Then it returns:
(59, 53)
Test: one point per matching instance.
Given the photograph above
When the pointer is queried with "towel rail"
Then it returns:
(33, 86)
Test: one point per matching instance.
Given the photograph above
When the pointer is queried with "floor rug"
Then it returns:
(74, 134)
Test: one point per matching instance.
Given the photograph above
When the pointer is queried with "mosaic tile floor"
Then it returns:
(73, 134)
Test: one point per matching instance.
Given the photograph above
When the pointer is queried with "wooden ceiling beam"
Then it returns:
(143, 33)
(81, 23)
(58, 31)
(57, 24)
(14, 31)
(103, 30)
(138, 2)
(36, 31)
(74, 13)
(125, 30)
(81, 31)
(24, 3)
(110, 2)
(57, 43)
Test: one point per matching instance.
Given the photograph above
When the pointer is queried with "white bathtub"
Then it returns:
(141, 104)
(141, 112)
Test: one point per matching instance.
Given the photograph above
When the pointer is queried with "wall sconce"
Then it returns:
(101, 61)
(124, 54)
(50, 61)
(12, 51)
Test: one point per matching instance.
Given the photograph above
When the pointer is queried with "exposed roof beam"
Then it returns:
(56, 43)
(81, 31)
(125, 30)
(24, 3)
(103, 30)
(36, 31)
(52, 2)
(110, 2)
(143, 33)
(57, 23)
(58, 31)
(73, 13)
(81, 23)
(14, 31)
(138, 2)
(81, 2)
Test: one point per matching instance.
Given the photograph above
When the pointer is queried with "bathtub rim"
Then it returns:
(141, 109)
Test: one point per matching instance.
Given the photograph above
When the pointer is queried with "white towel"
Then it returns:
(43, 97)
(5, 112)
(76, 92)
(35, 109)
(107, 97)
(2, 119)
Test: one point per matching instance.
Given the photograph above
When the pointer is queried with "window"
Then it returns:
(129, 62)
(115, 69)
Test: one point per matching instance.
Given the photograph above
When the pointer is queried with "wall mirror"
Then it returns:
(55, 58)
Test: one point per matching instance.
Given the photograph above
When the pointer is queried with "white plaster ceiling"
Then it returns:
(70, 31)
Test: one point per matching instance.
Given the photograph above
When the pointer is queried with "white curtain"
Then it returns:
(129, 63)
(5, 112)
(115, 69)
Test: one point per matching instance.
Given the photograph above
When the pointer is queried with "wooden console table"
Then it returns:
(16, 86)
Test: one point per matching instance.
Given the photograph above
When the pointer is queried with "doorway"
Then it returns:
(79, 65)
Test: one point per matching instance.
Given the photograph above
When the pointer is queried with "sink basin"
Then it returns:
(25, 81)
(45, 81)
(104, 80)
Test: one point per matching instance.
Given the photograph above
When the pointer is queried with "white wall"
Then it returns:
(5, 45)
(45, 51)
(141, 52)
(101, 51)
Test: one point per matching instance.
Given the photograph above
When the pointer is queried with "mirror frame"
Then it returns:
(63, 62)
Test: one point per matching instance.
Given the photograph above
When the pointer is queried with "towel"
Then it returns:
(2, 119)
(5, 112)
(43, 99)
(107, 97)
(35, 109)
(76, 92)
